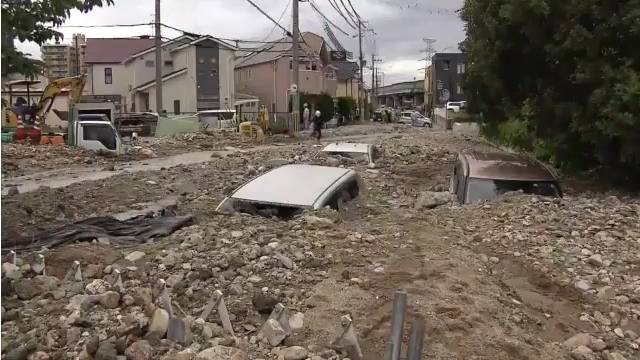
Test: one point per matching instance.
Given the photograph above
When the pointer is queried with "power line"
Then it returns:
(354, 10)
(335, 6)
(102, 26)
(185, 32)
(279, 19)
(348, 12)
(325, 18)
(270, 18)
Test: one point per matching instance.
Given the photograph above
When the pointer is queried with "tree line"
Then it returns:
(560, 79)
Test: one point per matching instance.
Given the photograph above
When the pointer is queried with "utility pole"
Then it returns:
(373, 80)
(75, 40)
(361, 86)
(158, 61)
(429, 51)
(296, 69)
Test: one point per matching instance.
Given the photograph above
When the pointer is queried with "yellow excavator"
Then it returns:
(259, 129)
(27, 118)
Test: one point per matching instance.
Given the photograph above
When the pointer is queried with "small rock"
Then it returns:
(92, 344)
(106, 351)
(139, 350)
(25, 289)
(39, 355)
(615, 356)
(595, 260)
(294, 353)
(318, 222)
(21, 352)
(135, 256)
(296, 322)
(598, 345)
(430, 200)
(583, 285)
(264, 303)
(128, 300)
(110, 299)
(236, 234)
(494, 259)
(254, 279)
(272, 332)
(220, 352)
(285, 261)
(97, 286)
(630, 334)
(581, 353)
(618, 332)
(159, 323)
(578, 340)
(235, 289)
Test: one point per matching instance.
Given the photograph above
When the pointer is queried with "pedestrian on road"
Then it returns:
(305, 116)
(317, 126)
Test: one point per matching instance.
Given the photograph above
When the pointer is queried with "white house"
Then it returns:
(197, 74)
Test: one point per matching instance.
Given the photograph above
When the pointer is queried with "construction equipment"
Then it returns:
(99, 135)
(28, 118)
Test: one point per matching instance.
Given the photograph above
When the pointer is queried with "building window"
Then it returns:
(214, 72)
(108, 76)
(290, 65)
(213, 60)
(460, 68)
(459, 89)
(314, 66)
(168, 63)
(149, 63)
(446, 64)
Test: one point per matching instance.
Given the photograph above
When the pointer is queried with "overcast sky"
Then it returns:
(400, 25)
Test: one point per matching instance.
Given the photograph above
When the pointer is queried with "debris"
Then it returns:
(159, 323)
(135, 256)
(430, 200)
(272, 332)
(294, 353)
(220, 352)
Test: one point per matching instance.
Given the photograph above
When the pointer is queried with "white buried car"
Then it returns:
(289, 189)
(355, 151)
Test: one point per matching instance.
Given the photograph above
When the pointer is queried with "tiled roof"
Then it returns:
(114, 50)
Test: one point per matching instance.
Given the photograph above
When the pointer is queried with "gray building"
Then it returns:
(447, 71)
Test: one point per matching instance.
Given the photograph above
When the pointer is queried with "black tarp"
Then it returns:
(135, 230)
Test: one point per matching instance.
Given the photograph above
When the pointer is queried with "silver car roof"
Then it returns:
(294, 185)
(347, 148)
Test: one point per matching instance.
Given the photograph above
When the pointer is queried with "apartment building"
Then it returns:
(197, 73)
(268, 73)
(447, 71)
(63, 60)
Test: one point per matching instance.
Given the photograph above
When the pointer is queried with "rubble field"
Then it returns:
(523, 277)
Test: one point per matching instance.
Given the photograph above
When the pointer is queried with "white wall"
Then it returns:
(178, 88)
(226, 65)
(119, 84)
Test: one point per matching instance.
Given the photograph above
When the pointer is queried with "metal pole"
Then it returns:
(295, 106)
(397, 321)
(373, 80)
(361, 85)
(416, 339)
(75, 40)
(158, 44)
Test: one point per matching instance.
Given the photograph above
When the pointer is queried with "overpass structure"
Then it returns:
(408, 94)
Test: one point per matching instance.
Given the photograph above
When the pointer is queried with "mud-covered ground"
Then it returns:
(511, 279)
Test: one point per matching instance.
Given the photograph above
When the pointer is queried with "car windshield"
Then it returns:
(262, 209)
(358, 156)
(489, 189)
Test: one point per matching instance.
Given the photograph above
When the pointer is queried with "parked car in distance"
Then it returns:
(420, 121)
(455, 106)
(480, 176)
(288, 190)
(356, 151)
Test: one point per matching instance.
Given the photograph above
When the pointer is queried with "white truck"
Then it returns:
(95, 132)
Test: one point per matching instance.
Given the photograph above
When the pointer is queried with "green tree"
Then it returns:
(35, 20)
(564, 75)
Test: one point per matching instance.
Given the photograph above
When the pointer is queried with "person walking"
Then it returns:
(316, 122)
(305, 116)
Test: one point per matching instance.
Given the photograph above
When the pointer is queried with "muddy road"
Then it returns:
(492, 281)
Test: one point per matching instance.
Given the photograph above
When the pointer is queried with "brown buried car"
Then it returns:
(479, 176)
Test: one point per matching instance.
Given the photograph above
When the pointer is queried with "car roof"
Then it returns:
(505, 166)
(347, 148)
(292, 185)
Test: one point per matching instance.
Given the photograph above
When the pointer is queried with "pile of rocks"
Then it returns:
(118, 308)
(24, 158)
(591, 244)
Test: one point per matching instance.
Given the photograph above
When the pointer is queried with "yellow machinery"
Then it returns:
(28, 118)
(260, 128)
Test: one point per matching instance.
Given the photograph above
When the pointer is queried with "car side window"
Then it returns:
(460, 183)
(349, 191)
(99, 132)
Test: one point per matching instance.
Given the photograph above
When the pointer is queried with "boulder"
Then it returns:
(159, 323)
(25, 289)
(110, 299)
(97, 286)
(294, 353)
(139, 350)
(430, 199)
(264, 303)
(581, 339)
(220, 352)
(296, 322)
(272, 332)
(106, 351)
(135, 256)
